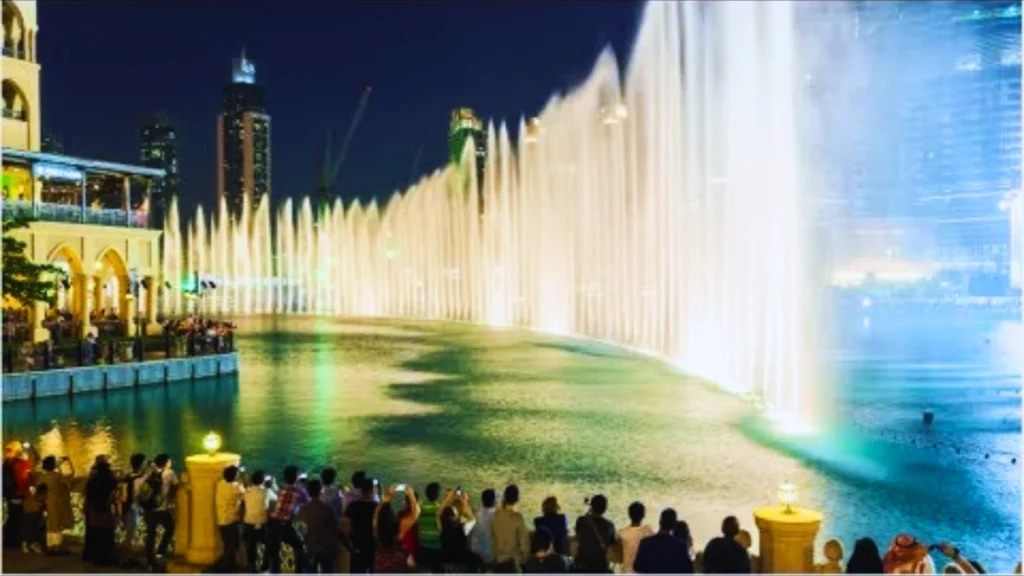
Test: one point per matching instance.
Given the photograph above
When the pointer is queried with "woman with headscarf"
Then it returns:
(100, 516)
(865, 559)
(907, 556)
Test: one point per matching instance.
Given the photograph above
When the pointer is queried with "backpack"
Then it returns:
(128, 487)
(150, 495)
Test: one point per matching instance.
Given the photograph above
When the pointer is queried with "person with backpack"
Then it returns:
(156, 498)
(130, 487)
(281, 525)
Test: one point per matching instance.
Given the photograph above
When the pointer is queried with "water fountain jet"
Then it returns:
(664, 213)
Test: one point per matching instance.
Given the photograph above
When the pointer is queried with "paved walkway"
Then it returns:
(18, 562)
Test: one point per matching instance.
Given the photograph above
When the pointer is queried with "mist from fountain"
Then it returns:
(663, 213)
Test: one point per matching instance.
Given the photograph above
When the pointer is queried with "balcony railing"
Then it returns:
(74, 214)
(13, 52)
(14, 114)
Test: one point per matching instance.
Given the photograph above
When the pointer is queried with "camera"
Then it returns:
(400, 488)
(458, 490)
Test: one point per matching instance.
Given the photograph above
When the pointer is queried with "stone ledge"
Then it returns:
(86, 379)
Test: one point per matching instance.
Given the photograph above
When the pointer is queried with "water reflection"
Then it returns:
(458, 404)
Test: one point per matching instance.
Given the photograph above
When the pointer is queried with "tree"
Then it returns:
(24, 281)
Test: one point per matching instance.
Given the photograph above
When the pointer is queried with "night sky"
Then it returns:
(105, 65)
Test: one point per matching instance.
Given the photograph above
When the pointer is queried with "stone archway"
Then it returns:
(73, 288)
(112, 304)
(15, 102)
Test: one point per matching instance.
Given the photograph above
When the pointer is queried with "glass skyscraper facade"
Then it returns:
(923, 147)
(158, 149)
(243, 141)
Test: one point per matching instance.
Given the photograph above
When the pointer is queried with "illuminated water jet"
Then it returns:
(663, 214)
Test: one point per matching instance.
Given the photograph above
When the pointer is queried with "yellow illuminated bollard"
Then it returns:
(787, 534)
(204, 471)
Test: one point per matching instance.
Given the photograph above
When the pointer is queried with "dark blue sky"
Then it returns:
(105, 65)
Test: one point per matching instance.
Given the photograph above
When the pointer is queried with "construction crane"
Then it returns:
(413, 174)
(329, 169)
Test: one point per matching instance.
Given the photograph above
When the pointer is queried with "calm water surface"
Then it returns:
(416, 402)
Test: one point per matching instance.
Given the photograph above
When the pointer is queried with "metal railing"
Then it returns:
(75, 214)
(23, 356)
(14, 52)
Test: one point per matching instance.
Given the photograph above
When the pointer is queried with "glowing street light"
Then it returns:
(211, 442)
(787, 495)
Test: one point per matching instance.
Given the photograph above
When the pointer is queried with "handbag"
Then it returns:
(612, 554)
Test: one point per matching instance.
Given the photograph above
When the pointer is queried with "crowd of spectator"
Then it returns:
(370, 528)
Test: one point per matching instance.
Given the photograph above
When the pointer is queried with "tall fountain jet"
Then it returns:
(664, 213)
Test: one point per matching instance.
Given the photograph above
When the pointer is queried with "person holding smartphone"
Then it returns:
(57, 476)
(281, 526)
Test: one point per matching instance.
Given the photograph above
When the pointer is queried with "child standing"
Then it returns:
(33, 527)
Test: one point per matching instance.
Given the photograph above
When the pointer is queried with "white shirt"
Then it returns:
(257, 503)
(480, 536)
(631, 537)
(170, 480)
(227, 502)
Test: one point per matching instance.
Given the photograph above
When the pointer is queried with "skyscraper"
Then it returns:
(243, 141)
(158, 149)
(463, 126)
(930, 140)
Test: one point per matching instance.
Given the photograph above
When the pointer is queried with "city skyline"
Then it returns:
(315, 81)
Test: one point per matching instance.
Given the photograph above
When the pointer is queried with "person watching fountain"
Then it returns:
(408, 519)
(259, 496)
(281, 525)
(723, 554)
(157, 503)
(131, 513)
(100, 514)
(456, 514)
(556, 523)
(33, 521)
(227, 498)
(480, 537)
(355, 492)
(59, 516)
(682, 533)
(358, 528)
(595, 535)
(430, 536)
(510, 536)
(544, 559)
(906, 555)
(745, 540)
(663, 553)
(632, 535)
(18, 466)
(331, 493)
(866, 559)
(323, 531)
(391, 556)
